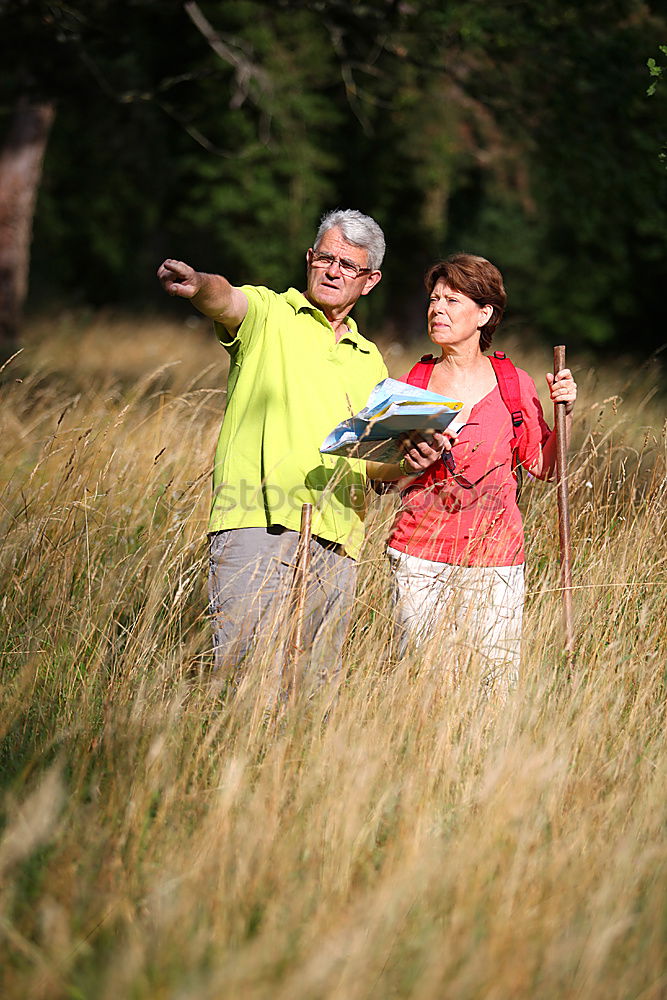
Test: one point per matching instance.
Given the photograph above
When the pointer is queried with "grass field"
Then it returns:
(404, 839)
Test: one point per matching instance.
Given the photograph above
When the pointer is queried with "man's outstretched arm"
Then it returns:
(211, 294)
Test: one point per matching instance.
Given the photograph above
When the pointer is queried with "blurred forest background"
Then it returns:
(219, 132)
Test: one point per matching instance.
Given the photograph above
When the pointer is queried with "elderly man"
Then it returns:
(298, 365)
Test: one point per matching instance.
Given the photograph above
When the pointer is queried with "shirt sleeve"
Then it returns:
(254, 321)
(537, 431)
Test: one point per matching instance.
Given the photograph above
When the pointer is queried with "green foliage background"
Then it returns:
(522, 132)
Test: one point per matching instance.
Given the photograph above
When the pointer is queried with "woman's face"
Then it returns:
(453, 318)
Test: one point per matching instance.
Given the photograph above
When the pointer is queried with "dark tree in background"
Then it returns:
(20, 172)
(220, 132)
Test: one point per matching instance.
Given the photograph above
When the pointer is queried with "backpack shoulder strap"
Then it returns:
(420, 373)
(510, 391)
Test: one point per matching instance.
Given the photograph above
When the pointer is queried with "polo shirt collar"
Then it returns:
(300, 303)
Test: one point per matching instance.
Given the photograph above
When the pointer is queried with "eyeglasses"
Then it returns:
(450, 465)
(347, 267)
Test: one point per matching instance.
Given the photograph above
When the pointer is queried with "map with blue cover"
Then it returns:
(393, 408)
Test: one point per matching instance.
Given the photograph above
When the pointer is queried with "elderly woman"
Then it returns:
(456, 548)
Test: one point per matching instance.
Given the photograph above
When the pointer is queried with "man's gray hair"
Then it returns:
(358, 229)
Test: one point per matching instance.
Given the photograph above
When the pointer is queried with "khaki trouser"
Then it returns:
(250, 579)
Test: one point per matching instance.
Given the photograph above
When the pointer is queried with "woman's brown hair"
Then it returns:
(477, 278)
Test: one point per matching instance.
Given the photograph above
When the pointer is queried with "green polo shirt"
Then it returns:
(289, 384)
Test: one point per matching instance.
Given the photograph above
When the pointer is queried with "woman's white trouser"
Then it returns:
(472, 611)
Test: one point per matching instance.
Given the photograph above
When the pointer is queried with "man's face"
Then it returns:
(328, 288)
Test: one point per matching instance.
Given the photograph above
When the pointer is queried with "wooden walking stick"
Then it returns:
(564, 515)
(298, 596)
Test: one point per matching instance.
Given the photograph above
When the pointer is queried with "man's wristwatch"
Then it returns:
(404, 468)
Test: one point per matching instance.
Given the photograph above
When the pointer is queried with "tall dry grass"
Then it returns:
(400, 837)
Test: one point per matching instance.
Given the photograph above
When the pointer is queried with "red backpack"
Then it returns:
(510, 391)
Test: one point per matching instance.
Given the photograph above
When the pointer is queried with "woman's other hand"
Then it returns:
(562, 388)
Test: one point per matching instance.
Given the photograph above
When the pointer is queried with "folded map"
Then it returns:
(393, 408)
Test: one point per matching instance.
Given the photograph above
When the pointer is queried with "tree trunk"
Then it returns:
(20, 172)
